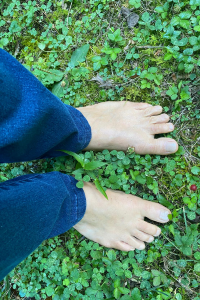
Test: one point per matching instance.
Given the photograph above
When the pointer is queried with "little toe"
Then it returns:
(162, 146)
(164, 118)
(150, 229)
(153, 111)
(144, 237)
(161, 128)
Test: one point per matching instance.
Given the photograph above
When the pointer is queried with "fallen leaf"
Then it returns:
(132, 18)
(157, 52)
(174, 76)
(102, 83)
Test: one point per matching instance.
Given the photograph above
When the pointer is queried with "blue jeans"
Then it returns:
(33, 125)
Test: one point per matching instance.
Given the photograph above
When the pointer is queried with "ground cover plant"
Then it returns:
(88, 52)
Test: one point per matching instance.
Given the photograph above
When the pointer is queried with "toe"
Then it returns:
(154, 211)
(150, 229)
(162, 146)
(161, 128)
(144, 237)
(123, 246)
(153, 110)
(140, 106)
(164, 118)
(135, 243)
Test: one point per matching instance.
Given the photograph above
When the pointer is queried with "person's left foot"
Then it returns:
(119, 125)
(119, 221)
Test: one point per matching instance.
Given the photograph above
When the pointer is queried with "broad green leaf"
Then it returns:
(96, 58)
(58, 88)
(116, 293)
(93, 165)
(159, 9)
(187, 251)
(86, 178)
(156, 280)
(79, 56)
(197, 267)
(188, 51)
(162, 200)
(185, 24)
(4, 42)
(188, 67)
(155, 272)
(66, 282)
(100, 188)
(197, 255)
(113, 178)
(76, 156)
(113, 56)
(117, 283)
(195, 170)
(126, 297)
(140, 179)
(185, 15)
(80, 184)
(68, 41)
(123, 290)
(181, 42)
(111, 255)
(197, 28)
(171, 229)
(96, 66)
(49, 291)
(128, 273)
(136, 294)
(193, 40)
(42, 46)
(145, 16)
(168, 56)
(111, 36)
(152, 70)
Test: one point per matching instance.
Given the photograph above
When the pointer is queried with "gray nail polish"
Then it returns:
(164, 215)
(170, 147)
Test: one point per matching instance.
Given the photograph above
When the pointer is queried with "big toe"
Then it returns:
(162, 146)
(155, 211)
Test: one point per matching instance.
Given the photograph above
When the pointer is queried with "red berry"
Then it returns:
(193, 187)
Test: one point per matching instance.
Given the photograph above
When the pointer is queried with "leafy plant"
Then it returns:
(88, 166)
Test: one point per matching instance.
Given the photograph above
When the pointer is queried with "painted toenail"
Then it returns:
(164, 215)
(150, 239)
(170, 147)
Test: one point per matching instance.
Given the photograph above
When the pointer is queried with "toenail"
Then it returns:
(150, 239)
(170, 147)
(132, 249)
(164, 215)
(171, 126)
(141, 247)
(158, 232)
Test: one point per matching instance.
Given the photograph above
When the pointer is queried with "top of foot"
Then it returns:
(119, 125)
(119, 221)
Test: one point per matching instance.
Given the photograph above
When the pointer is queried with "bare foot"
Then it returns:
(119, 125)
(119, 222)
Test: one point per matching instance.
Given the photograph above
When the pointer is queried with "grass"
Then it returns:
(156, 61)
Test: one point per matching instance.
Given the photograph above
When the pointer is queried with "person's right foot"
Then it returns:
(119, 222)
(117, 125)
